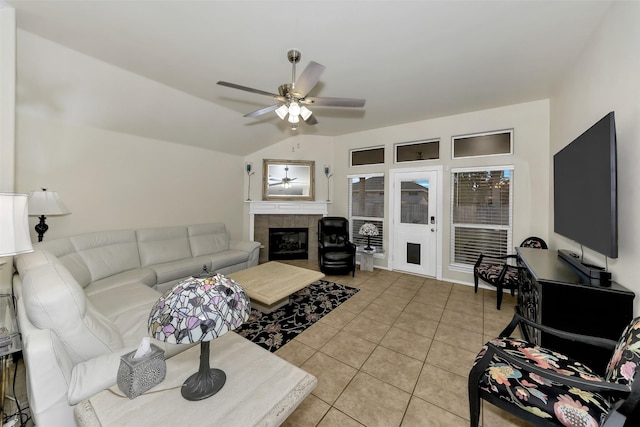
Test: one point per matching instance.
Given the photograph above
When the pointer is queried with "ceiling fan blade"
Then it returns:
(308, 78)
(262, 111)
(249, 89)
(334, 102)
(311, 120)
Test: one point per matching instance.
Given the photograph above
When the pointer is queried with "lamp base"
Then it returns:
(41, 227)
(199, 387)
(368, 248)
(206, 382)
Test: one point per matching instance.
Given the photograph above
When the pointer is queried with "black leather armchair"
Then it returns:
(336, 254)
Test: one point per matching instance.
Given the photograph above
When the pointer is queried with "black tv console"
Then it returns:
(556, 295)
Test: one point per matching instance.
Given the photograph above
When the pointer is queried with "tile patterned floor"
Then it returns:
(397, 353)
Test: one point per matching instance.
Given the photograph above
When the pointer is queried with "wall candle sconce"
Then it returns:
(249, 169)
(328, 175)
(42, 204)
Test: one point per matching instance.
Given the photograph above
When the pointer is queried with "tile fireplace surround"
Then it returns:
(263, 215)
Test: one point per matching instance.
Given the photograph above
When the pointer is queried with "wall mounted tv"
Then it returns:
(585, 189)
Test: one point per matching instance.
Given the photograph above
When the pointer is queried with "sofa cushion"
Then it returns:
(62, 306)
(206, 239)
(169, 271)
(140, 275)
(34, 259)
(160, 245)
(67, 255)
(114, 301)
(107, 253)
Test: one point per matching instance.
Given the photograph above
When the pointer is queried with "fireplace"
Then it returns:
(288, 243)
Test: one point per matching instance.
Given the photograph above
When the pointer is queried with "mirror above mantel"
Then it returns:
(288, 180)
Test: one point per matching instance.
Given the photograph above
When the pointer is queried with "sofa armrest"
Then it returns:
(253, 248)
(93, 376)
(244, 245)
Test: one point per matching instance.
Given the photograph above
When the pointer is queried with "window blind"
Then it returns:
(366, 204)
(481, 213)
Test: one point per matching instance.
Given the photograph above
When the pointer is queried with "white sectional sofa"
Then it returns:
(84, 301)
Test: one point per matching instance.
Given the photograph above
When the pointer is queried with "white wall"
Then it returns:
(606, 78)
(530, 122)
(109, 179)
(7, 96)
(112, 181)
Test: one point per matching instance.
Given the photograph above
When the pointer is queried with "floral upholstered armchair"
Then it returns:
(547, 388)
(496, 270)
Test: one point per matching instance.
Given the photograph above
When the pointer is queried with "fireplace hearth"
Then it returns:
(288, 243)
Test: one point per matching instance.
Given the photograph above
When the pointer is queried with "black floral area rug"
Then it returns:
(307, 306)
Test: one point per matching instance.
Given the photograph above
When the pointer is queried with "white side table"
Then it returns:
(366, 260)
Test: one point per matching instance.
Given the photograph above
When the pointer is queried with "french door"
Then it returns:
(415, 219)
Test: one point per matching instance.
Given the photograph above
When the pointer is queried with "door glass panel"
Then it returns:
(414, 202)
(413, 253)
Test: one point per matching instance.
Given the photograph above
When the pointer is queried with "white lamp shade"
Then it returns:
(305, 113)
(14, 225)
(282, 111)
(46, 203)
(293, 119)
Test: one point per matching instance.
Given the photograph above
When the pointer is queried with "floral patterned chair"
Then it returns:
(496, 270)
(547, 388)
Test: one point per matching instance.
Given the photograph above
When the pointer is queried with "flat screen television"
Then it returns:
(585, 189)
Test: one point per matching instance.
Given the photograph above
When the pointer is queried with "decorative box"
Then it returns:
(135, 376)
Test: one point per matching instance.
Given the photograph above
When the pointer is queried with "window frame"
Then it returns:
(463, 267)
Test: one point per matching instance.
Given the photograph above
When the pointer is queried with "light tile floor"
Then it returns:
(397, 353)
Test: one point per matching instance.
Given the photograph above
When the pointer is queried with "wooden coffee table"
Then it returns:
(269, 285)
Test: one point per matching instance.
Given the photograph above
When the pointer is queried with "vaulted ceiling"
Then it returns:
(411, 60)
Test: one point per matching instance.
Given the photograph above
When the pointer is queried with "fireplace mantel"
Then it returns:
(284, 208)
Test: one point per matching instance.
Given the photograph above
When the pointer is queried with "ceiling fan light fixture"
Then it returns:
(282, 111)
(294, 109)
(294, 119)
(305, 113)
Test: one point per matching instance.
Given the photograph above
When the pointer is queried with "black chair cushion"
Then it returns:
(552, 401)
(334, 240)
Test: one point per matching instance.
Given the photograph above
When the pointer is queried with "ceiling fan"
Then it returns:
(293, 97)
(285, 182)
